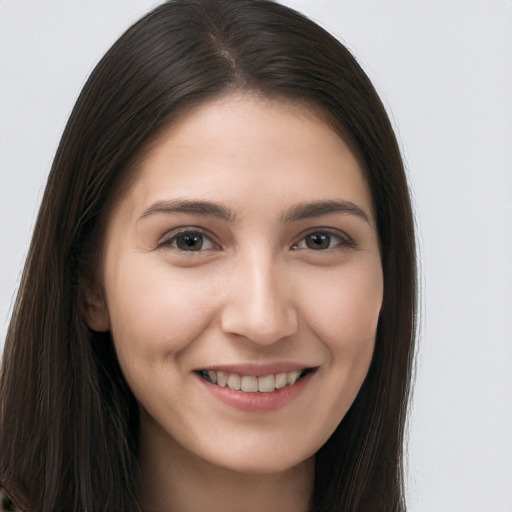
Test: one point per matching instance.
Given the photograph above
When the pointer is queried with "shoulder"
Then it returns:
(7, 502)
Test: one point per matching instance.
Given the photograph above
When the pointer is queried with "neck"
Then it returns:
(174, 479)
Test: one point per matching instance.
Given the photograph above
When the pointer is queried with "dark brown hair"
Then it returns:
(69, 423)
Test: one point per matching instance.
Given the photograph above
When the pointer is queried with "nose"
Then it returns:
(259, 304)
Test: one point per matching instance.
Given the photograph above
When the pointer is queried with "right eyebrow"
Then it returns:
(189, 206)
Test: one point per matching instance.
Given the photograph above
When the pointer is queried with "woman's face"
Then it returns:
(244, 254)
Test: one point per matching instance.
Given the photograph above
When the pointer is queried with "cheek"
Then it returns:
(344, 311)
(154, 312)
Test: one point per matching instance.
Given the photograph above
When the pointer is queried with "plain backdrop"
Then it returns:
(444, 71)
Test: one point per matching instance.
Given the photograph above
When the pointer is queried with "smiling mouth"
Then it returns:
(252, 383)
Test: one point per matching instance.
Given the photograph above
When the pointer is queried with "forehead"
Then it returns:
(232, 147)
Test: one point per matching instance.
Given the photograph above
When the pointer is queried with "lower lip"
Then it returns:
(258, 402)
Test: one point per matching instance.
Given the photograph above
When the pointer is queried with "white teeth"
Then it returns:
(251, 383)
(222, 379)
(280, 380)
(266, 384)
(291, 377)
(234, 381)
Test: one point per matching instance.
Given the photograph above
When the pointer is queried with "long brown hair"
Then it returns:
(68, 421)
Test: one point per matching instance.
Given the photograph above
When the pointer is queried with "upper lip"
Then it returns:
(257, 369)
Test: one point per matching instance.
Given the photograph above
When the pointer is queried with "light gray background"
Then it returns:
(444, 70)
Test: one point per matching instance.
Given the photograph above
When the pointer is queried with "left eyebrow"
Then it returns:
(318, 208)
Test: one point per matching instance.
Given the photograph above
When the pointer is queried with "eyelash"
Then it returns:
(172, 240)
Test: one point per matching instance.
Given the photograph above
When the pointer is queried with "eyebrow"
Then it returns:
(189, 206)
(301, 211)
(308, 210)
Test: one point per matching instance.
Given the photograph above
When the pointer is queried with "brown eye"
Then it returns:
(318, 241)
(324, 240)
(189, 242)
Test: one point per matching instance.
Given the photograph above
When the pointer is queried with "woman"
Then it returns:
(217, 309)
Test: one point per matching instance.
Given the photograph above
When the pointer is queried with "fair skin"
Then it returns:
(244, 250)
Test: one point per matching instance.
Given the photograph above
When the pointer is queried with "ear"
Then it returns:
(94, 308)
